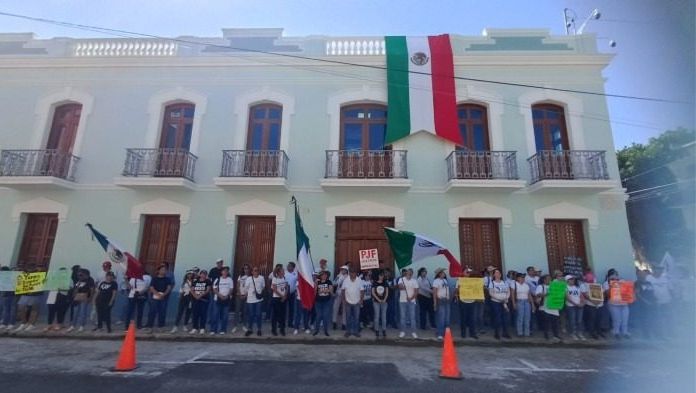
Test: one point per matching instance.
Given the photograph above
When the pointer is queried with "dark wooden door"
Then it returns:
(263, 138)
(363, 131)
(37, 242)
(175, 140)
(362, 233)
(159, 241)
(255, 244)
(564, 238)
(61, 139)
(479, 243)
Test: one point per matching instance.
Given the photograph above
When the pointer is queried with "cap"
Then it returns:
(195, 269)
(490, 268)
(569, 276)
(219, 260)
(345, 267)
(439, 270)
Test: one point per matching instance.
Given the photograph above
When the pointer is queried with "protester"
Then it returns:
(291, 278)
(393, 300)
(408, 291)
(380, 304)
(338, 300)
(160, 287)
(532, 279)
(82, 298)
(467, 309)
(7, 299)
(353, 291)
(28, 305)
(303, 316)
(425, 300)
(240, 299)
(214, 274)
(367, 310)
(499, 293)
(105, 298)
(254, 287)
(279, 287)
(58, 302)
(201, 299)
(323, 266)
(511, 281)
(574, 307)
(322, 304)
(137, 296)
(442, 298)
(73, 277)
(551, 317)
(523, 303)
(222, 296)
(592, 310)
(617, 307)
(185, 302)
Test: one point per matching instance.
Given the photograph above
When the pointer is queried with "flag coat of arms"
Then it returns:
(409, 247)
(115, 254)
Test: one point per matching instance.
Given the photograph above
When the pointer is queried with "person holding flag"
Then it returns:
(306, 288)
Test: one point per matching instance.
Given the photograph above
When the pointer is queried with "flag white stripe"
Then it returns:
(420, 87)
(306, 269)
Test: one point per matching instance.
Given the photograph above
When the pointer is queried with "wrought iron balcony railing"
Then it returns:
(49, 162)
(163, 162)
(366, 164)
(254, 163)
(470, 164)
(568, 165)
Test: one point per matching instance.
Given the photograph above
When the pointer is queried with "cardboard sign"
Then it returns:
(30, 282)
(621, 292)
(369, 259)
(57, 280)
(573, 266)
(555, 299)
(595, 292)
(8, 280)
(470, 288)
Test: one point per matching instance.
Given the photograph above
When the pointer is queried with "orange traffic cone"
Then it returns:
(126, 359)
(450, 368)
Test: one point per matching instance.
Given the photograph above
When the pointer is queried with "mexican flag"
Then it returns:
(122, 259)
(420, 87)
(305, 266)
(409, 247)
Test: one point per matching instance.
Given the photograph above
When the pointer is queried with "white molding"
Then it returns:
(40, 205)
(36, 183)
(265, 95)
(502, 185)
(366, 183)
(479, 209)
(371, 94)
(45, 108)
(573, 186)
(160, 206)
(155, 111)
(566, 210)
(573, 108)
(255, 207)
(248, 183)
(365, 209)
(155, 182)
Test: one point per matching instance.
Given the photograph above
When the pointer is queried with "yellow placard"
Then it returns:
(30, 282)
(470, 288)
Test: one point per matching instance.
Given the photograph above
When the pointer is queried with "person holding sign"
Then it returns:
(594, 300)
(618, 308)
(58, 302)
(500, 294)
(550, 316)
(29, 284)
(442, 297)
(469, 301)
(7, 299)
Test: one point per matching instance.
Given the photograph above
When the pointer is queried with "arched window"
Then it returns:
(177, 125)
(363, 127)
(473, 126)
(550, 131)
(264, 127)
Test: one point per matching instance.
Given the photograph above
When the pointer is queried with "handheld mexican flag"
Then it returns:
(305, 266)
(409, 247)
(122, 259)
(420, 87)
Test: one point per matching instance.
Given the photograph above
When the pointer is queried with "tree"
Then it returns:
(659, 178)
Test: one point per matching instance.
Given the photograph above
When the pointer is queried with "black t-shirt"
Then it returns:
(105, 291)
(160, 283)
(380, 289)
(200, 286)
(214, 274)
(324, 291)
(84, 286)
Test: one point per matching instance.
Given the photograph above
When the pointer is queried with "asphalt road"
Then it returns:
(73, 366)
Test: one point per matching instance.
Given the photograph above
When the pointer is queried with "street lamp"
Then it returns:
(569, 17)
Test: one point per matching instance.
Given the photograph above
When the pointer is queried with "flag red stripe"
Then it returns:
(455, 268)
(307, 293)
(444, 93)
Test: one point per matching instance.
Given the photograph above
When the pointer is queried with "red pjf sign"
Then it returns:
(369, 259)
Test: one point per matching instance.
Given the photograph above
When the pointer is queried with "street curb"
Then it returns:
(416, 343)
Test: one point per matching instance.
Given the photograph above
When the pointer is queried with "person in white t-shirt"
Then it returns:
(253, 287)
(575, 303)
(591, 312)
(353, 290)
(241, 315)
(338, 314)
(523, 303)
(550, 316)
(442, 300)
(137, 296)
(223, 288)
(279, 287)
(499, 292)
(408, 291)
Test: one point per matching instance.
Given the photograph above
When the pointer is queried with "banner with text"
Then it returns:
(30, 282)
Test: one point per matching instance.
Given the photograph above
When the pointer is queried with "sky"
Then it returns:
(654, 56)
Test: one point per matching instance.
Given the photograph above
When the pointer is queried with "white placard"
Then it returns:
(369, 259)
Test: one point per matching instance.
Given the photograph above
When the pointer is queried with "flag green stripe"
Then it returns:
(401, 243)
(398, 104)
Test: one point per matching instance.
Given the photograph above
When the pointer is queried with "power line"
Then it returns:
(661, 186)
(315, 59)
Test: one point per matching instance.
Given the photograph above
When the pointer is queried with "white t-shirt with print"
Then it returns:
(499, 291)
(574, 294)
(260, 284)
(139, 285)
(410, 287)
(443, 289)
(281, 285)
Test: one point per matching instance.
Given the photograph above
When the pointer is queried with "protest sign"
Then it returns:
(595, 292)
(369, 259)
(470, 288)
(555, 299)
(573, 266)
(627, 293)
(8, 280)
(30, 282)
(56, 280)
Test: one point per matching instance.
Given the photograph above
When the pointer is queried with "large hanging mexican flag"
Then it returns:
(421, 88)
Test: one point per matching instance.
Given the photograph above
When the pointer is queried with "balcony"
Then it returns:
(487, 170)
(31, 168)
(164, 167)
(569, 170)
(264, 169)
(366, 168)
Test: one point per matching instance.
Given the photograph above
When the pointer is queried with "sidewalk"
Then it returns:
(426, 338)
